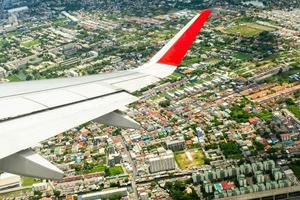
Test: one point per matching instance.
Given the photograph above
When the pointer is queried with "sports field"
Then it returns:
(248, 29)
(29, 44)
(189, 158)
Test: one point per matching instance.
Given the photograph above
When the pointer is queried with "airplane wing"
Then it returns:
(33, 111)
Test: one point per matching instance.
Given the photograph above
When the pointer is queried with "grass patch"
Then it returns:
(235, 156)
(116, 170)
(13, 33)
(248, 29)
(28, 181)
(109, 171)
(13, 78)
(242, 56)
(295, 110)
(190, 61)
(97, 168)
(183, 161)
(265, 115)
(59, 22)
(29, 44)
(175, 76)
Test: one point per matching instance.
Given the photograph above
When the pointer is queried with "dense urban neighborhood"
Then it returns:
(225, 125)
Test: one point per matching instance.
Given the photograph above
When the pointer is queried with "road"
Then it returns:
(15, 189)
(134, 171)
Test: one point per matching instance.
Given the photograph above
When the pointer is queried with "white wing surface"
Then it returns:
(33, 111)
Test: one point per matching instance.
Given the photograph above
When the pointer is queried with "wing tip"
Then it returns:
(206, 11)
(177, 51)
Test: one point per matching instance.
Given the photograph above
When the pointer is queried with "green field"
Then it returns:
(59, 22)
(13, 78)
(98, 168)
(295, 110)
(28, 181)
(175, 76)
(115, 170)
(265, 115)
(185, 163)
(109, 171)
(242, 56)
(29, 44)
(248, 29)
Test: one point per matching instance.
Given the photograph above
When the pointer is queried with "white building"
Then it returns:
(176, 145)
(162, 162)
(8, 181)
(72, 73)
(40, 186)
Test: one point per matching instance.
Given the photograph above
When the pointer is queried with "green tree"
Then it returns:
(165, 103)
(56, 193)
(289, 101)
(107, 173)
(259, 146)
(177, 191)
(230, 148)
(116, 132)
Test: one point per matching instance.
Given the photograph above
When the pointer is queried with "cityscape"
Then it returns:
(225, 125)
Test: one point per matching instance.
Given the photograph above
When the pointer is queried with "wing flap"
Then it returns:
(118, 119)
(91, 90)
(28, 87)
(14, 107)
(55, 98)
(20, 133)
(28, 163)
(137, 83)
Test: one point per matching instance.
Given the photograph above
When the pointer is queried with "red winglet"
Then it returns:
(177, 52)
